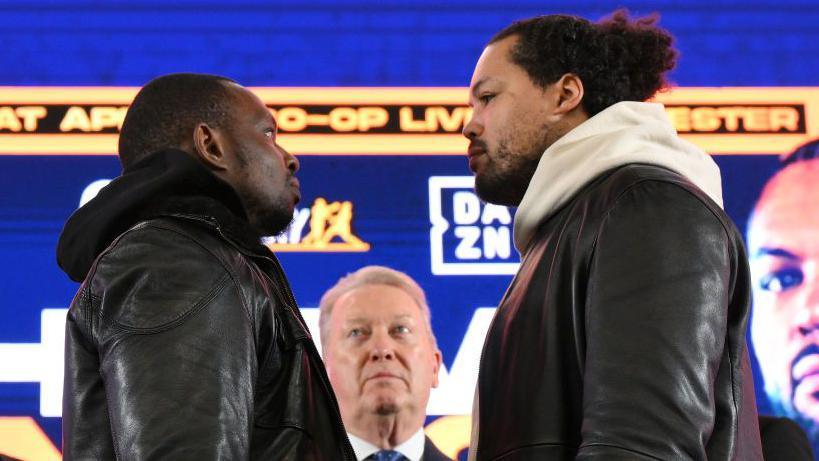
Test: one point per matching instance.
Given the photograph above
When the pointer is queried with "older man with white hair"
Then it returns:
(383, 361)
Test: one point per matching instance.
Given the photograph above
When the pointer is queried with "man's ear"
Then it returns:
(208, 147)
(570, 93)
(437, 358)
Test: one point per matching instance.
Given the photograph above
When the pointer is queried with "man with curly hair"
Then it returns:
(622, 336)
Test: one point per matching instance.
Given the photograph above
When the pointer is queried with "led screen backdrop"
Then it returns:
(384, 182)
(382, 170)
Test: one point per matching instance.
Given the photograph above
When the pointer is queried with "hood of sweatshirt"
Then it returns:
(138, 194)
(624, 133)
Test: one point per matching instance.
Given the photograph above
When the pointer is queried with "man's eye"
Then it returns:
(781, 280)
(485, 98)
(401, 329)
(270, 133)
(355, 332)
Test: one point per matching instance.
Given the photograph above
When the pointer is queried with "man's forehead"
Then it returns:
(786, 215)
(792, 194)
(375, 302)
(498, 52)
(797, 175)
(357, 318)
(495, 68)
(485, 81)
(244, 99)
(787, 232)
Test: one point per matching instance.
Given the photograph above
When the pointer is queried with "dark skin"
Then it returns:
(245, 154)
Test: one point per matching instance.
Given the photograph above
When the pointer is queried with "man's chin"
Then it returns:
(495, 191)
(272, 223)
(386, 408)
(811, 426)
(779, 407)
(269, 230)
(384, 403)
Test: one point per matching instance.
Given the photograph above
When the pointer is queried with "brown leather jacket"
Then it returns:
(184, 341)
(622, 337)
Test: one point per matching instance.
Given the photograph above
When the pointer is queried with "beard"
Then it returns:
(269, 208)
(506, 177)
(510, 168)
(269, 218)
(780, 408)
(782, 402)
(787, 406)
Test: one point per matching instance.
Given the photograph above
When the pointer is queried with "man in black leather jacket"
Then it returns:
(184, 340)
(622, 336)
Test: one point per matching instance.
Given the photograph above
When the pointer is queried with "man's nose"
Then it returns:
(473, 127)
(382, 347)
(290, 161)
(808, 316)
(377, 355)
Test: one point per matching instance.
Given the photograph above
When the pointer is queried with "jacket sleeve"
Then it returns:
(177, 352)
(656, 319)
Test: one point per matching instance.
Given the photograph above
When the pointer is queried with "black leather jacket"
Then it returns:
(184, 341)
(622, 337)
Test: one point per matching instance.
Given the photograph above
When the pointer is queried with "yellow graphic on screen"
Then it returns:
(331, 230)
(399, 121)
(22, 438)
(331, 220)
(451, 434)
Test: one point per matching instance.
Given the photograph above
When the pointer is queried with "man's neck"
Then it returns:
(385, 431)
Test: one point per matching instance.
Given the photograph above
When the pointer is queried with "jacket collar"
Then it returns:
(624, 133)
(166, 183)
(208, 209)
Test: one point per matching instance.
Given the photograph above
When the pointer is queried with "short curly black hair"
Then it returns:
(805, 152)
(617, 58)
(167, 109)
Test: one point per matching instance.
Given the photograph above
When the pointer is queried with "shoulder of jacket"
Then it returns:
(628, 176)
(649, 197)
(669, 185)
(155, 273)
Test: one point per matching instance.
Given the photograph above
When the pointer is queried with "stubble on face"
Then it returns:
(510, 165)
(269, 214)
(263, 181)
(513, 123)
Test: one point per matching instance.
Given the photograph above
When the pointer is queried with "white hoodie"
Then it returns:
(626, 132)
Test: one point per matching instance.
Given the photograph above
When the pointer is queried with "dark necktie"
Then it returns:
(386, 455)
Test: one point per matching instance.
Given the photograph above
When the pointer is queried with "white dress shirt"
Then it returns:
(412, 448)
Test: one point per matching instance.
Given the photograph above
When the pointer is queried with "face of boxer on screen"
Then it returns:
(783, 244)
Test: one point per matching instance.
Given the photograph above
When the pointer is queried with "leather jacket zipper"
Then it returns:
(288, 301)
(279, 273)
